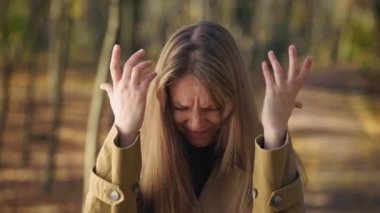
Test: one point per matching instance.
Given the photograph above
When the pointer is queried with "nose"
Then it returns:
(196, 121)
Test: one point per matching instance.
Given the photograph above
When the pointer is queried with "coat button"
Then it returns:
(277, 200)
(136, 188)
(114, 195)
(254, 193)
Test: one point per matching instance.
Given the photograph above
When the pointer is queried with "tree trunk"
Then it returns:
(376, 10)
(29, 112)
(58, 53)
(243, 15)
(5, 71)
(4, 97)
(96, 106)
(34, 28)
(129, 16)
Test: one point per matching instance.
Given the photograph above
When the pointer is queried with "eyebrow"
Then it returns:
(175, 103)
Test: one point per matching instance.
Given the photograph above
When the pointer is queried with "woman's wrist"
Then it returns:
(274, 137)
(125, 137)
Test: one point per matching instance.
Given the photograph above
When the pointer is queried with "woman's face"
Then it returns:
(195, 114)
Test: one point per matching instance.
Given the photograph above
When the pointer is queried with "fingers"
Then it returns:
(305, 69)
(267, 75)
(132, 70)
(131, 62)
(137, 71)
(292, 62)
(115, 64)
(279, 74)
(277, 70)
(148, 78)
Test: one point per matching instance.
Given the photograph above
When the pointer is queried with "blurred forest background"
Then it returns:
(55, 53)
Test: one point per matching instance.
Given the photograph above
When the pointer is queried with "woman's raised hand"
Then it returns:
(128, 92)
(280, 97)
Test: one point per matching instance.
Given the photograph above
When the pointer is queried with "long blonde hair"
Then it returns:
(207, 51)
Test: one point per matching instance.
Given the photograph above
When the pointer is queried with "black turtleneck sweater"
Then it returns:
(201, 162)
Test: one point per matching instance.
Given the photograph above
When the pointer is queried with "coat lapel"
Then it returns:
(222, 194)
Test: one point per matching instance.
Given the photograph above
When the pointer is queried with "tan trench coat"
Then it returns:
(276, 186)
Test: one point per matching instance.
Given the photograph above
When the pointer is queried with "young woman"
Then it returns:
(192, 142)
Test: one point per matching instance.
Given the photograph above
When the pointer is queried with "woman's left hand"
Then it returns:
(280, 97)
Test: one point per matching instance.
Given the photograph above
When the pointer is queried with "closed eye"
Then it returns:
(214, 108)
(180, 108)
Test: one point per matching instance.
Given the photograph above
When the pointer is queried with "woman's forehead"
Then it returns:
(189, 90)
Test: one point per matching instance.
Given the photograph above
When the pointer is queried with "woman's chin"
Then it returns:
(200, 142)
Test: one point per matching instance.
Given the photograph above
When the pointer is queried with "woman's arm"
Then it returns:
(276, 184)
(114, 180)
(115, 177)
(128, 92)
(280, 96)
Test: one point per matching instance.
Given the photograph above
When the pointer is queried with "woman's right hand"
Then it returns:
(127, 93)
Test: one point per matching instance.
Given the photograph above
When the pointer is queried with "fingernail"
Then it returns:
(141, 50)
(310, 59)
(153, 75)
(271, 53)
(116, 46)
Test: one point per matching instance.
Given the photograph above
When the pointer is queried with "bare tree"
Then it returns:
(376, 9)
(5, 71)
(60, 26)
(11, 50)
(130, 13)
(113, 25)
(34, 26)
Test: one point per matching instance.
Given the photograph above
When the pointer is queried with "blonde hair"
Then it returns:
(207, 51)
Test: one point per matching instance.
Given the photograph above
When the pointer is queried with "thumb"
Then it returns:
(107, 88)
(298, 104)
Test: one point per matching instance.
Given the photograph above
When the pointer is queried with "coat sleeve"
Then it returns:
(277, 186)
(114, 180)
